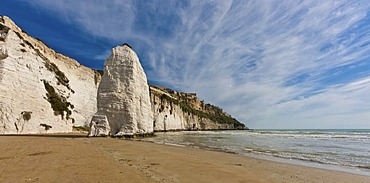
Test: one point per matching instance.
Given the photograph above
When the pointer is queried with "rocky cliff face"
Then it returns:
(184, 111)
(41, 90)
(123, 97)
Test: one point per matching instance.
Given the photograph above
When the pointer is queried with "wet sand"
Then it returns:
(74, 158)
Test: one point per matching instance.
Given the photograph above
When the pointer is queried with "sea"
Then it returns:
(342, 150)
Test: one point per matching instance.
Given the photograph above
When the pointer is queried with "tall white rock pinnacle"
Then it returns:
(123, 96)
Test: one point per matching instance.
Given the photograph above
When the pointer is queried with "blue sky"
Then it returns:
(269, 63)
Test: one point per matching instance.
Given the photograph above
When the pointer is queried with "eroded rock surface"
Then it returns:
(41, 91)
(176, 111)
(99, 126)
(123, 95)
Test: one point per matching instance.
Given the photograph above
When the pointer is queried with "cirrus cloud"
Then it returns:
(271, 64)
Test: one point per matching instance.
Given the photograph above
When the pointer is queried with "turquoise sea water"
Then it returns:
(346, 149)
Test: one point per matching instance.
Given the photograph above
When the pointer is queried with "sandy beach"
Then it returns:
(74, 158)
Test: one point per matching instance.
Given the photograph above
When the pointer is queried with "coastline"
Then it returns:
(75, 158)
(341, 150)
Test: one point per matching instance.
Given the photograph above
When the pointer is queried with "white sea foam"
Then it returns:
(345, 148)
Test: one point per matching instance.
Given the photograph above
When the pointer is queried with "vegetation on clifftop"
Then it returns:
(50, 66)
(184, 100)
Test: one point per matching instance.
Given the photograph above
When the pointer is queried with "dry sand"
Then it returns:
(73, 158)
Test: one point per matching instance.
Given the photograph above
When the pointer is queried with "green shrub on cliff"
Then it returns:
(58, 103)
(211, 112)
(26, 115)
(59, 75)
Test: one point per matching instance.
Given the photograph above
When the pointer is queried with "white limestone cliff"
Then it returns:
(32, 77)
(176, 111)
(123, 95)
(99, 126)
(42, 91)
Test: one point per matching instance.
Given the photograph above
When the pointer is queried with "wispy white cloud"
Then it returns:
(99, 18)
(272, 64)
(103, 56)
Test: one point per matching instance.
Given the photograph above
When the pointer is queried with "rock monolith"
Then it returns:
(123, 96)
